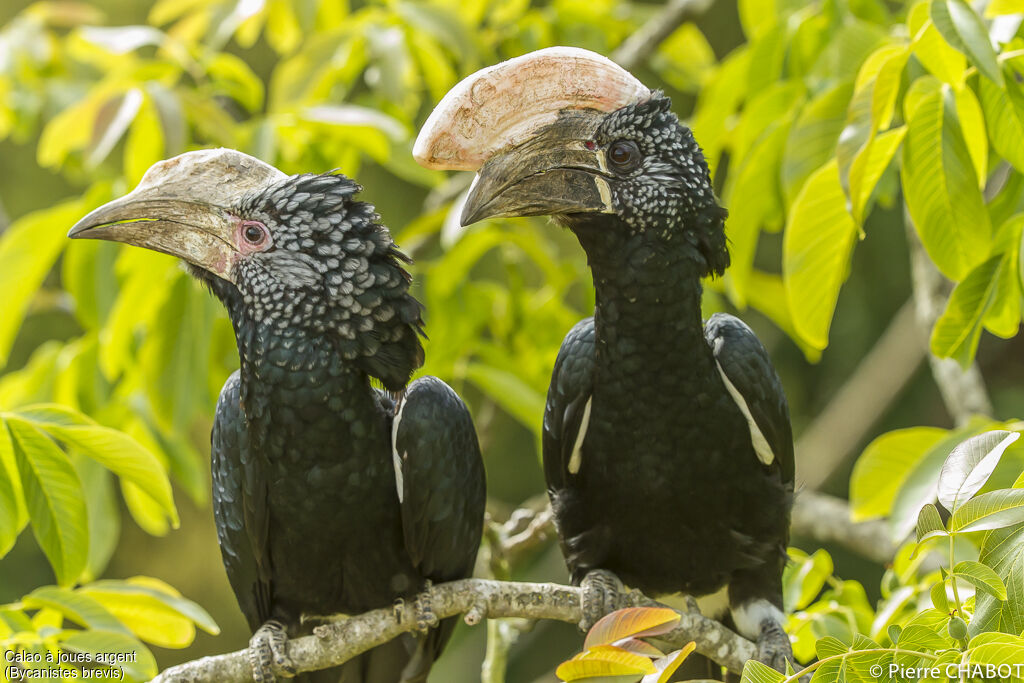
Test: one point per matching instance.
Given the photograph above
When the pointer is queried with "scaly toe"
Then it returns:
(268, 653)
(602, 592)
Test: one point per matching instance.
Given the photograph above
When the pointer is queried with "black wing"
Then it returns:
(238, 503)
(440, 478)
(568, 404)
(755, 386)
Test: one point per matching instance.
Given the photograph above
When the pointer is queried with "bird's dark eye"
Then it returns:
(255, 233)
(624, 154)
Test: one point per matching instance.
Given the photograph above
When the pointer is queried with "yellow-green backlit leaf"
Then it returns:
(869, 165)
(997, 8)
(1005, 121)
(981, 577)
(941, 186)
(604, 660)
(963, 30)
(972, 125)
(993, 510)
(54, 497)
(885, 465)
(816, 249)
(958, 329)
(931, 50)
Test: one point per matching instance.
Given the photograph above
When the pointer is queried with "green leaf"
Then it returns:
(756, 672)
(145, 589)
(931, 50)
(1000, 7)
(138, 662)
(868, 166)
(816, 249)
(940, 184)
(929, 523)
(76, 606)
(940, 600)
(981, 577)
(604, 660)
(885, 465)
(1003, 551)
(28, 250)
(115, 450)
(998, 649)
(55, 500)
(804, 577)
(811, 140)
(963, 30)
(1004, 116)
(144, 145)
(992, 510)
(517, 398)
(972, 125)
(13, 516)
(969, 466)
(958, 329)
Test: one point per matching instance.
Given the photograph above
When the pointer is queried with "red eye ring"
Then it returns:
(254, 232)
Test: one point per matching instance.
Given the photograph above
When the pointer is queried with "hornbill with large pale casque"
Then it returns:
(330, 496)
(667, 446)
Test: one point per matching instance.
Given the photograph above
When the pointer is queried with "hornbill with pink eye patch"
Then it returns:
(330, 496)
(667, 445)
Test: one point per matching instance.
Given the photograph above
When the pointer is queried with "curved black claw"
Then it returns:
(425, 617)
(268, 654)
(602, 593)
(773, 646)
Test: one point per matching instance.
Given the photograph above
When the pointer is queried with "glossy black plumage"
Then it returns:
(330, 496)
(305, 493)
(651, 463)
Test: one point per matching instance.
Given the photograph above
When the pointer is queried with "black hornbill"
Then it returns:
(667, 445)
(330, 496)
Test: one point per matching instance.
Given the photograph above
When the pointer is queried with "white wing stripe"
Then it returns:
(761, 447)
(395, 458)
(576, 460)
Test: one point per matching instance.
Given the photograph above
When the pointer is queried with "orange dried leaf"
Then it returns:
(635, 622)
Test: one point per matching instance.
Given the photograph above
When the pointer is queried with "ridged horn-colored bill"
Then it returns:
(503, 105)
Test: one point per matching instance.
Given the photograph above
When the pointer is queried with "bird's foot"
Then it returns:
(602, 593)
(424, 604)
(773, 646)
(268, 654)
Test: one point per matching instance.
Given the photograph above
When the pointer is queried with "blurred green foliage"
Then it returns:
(821, 121)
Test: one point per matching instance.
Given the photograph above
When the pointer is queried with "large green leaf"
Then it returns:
(868, 166)
(958, 329)
(970, 464)
(13, 516)
(963, 30)
(137, 661)
(885, 465)
(115, 450)
(756, 672)
(993, 510)
(981, 577)
(1003, 551)
(940, 184)
(1004, 116)
(811, 140)
(28, 250)
(944, 62)
(55, 500)
(816, 249)
(76, 606)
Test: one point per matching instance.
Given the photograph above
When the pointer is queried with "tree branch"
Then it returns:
(635, 50)
(337, 642)
(963, 391)
(826, 519)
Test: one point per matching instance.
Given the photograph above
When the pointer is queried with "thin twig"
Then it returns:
(635, 50)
